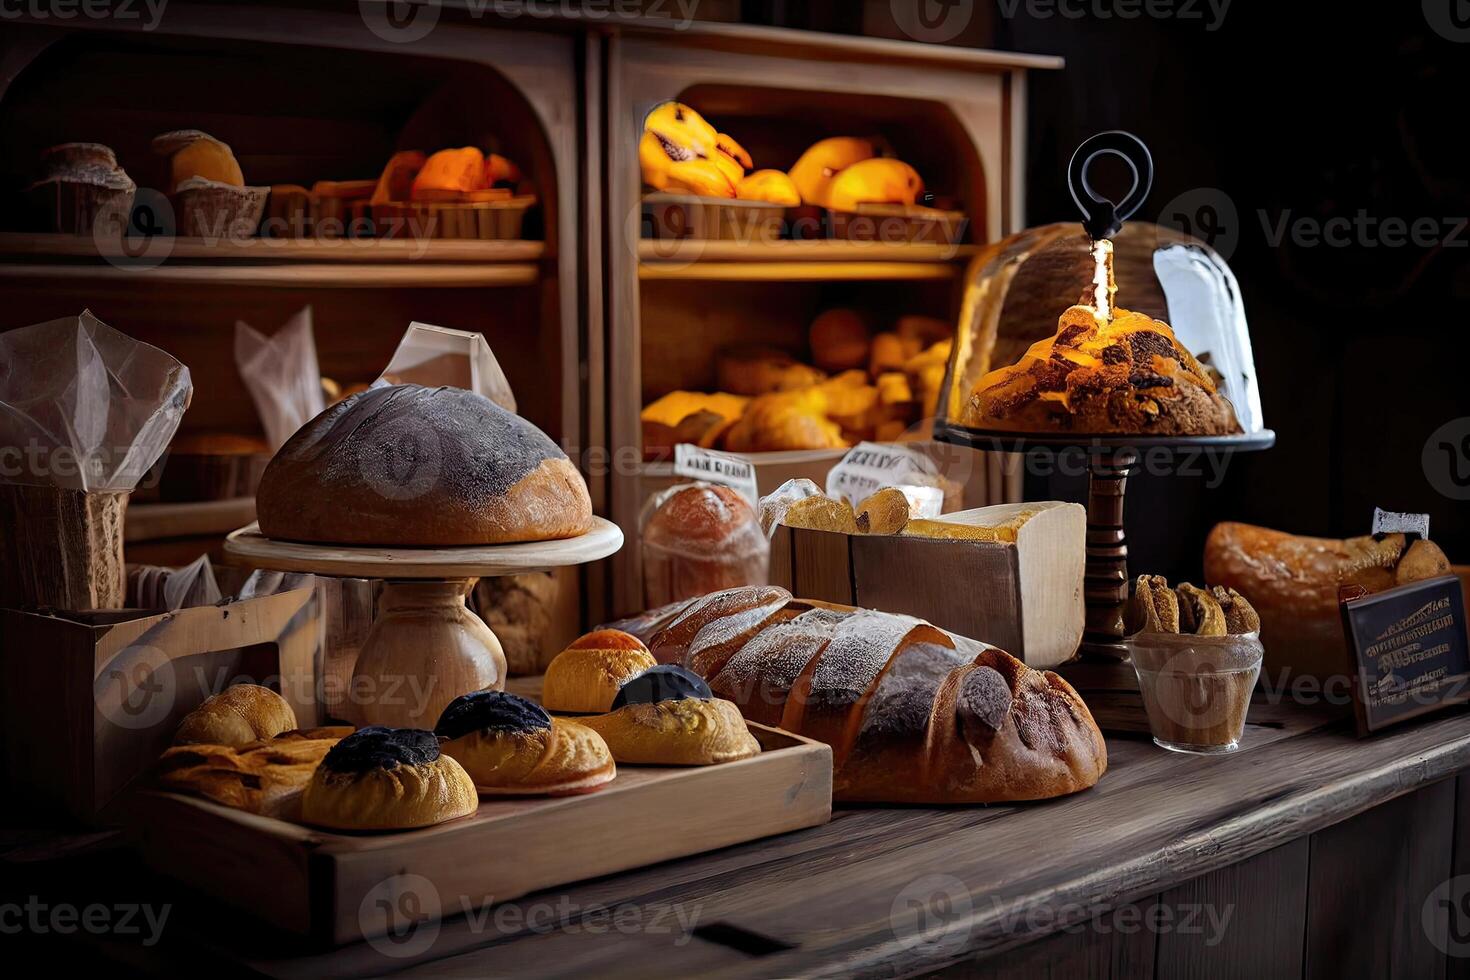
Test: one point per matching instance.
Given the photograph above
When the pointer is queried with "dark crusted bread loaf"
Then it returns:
(411, 466)
(913, 714)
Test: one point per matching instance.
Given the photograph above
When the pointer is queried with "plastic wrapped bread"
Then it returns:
(913, 713)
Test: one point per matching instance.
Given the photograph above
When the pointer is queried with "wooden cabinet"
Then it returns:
(956, 115)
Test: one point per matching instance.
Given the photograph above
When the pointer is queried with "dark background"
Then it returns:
(1307, 111)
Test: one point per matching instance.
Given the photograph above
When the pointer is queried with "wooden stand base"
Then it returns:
(425, 649)
(1105, 583)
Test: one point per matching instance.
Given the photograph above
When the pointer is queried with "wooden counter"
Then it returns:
(1309, 853)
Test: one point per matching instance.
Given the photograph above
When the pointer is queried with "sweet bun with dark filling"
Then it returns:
(585, 677)
(511, 747)
(387, 779)
(667, 716)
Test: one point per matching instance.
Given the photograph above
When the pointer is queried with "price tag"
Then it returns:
(1389, 522)
(1409, 650)
(726, 469)
(871, 466)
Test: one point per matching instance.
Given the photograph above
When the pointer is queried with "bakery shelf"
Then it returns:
(323, 275)
(154, 522)
(685, 252)
(797, 271)
(276, 250)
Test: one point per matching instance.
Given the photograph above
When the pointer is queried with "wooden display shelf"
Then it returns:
(321, 275)
(157, 521)
(269, 250)
(799, 271)
(687, 251)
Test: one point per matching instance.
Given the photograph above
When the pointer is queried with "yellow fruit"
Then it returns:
(726, 144)
(682, 125)
(768, 185)
(877, 181)
(669, 167)
(732, 170)
(824, 160)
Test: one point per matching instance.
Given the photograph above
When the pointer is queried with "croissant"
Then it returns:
(913, 713)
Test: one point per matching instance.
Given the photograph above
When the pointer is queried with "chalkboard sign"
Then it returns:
(1409, 650)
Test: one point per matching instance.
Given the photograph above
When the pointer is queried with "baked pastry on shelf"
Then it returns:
(511, 747)
(667, 716)
(266, 776)
(387, 779)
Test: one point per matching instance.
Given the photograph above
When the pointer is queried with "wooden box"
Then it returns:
(675, 217)
(91, 700)
(339, 888)
(1023, 596)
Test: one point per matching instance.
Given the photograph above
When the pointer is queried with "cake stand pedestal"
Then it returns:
(1110, 460)
(425, 647)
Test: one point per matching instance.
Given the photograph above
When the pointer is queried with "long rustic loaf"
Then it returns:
(913, 714)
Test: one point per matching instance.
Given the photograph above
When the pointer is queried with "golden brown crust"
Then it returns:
(265, 777)
(585, 677)
(565, 759)
(400, 798)
(672, 642)
(686, 732)
(905, 722)
(421, 467)
(1292, 581)
(1129, 374)
(237, 716)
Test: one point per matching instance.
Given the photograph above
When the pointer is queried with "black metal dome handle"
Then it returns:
(1103, 218)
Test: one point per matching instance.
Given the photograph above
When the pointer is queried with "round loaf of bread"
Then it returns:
(237, 716)
(409, 466)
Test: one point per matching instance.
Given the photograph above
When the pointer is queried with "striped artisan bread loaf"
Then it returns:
(913, 713)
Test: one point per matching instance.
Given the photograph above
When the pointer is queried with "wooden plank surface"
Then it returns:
(825, 898)
(1244, 922)
(1379, 931)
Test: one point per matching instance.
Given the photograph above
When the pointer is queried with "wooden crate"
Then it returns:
(339, 888)
(1024, 597)
(90, 701)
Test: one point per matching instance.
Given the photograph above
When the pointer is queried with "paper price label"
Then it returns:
(1389, 522)
(871, 466)
(726, 469)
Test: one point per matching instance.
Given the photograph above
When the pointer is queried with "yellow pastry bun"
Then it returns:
(585, 677)
(511, 747)
(237, 716)
(387, 779)
(666, 716)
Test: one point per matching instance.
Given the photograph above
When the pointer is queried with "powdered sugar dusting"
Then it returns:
(777, 655)
(860, 649)
(729, 628)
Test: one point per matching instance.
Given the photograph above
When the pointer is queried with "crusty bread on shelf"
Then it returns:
(913, 714)
(1293, 581)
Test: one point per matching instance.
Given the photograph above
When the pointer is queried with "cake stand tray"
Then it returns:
(484, 561)
(1111, 458)
(425, 647)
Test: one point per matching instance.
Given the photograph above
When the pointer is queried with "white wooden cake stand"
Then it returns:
(425, 647)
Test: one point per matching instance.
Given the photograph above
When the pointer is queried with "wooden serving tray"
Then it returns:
(340, 887)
